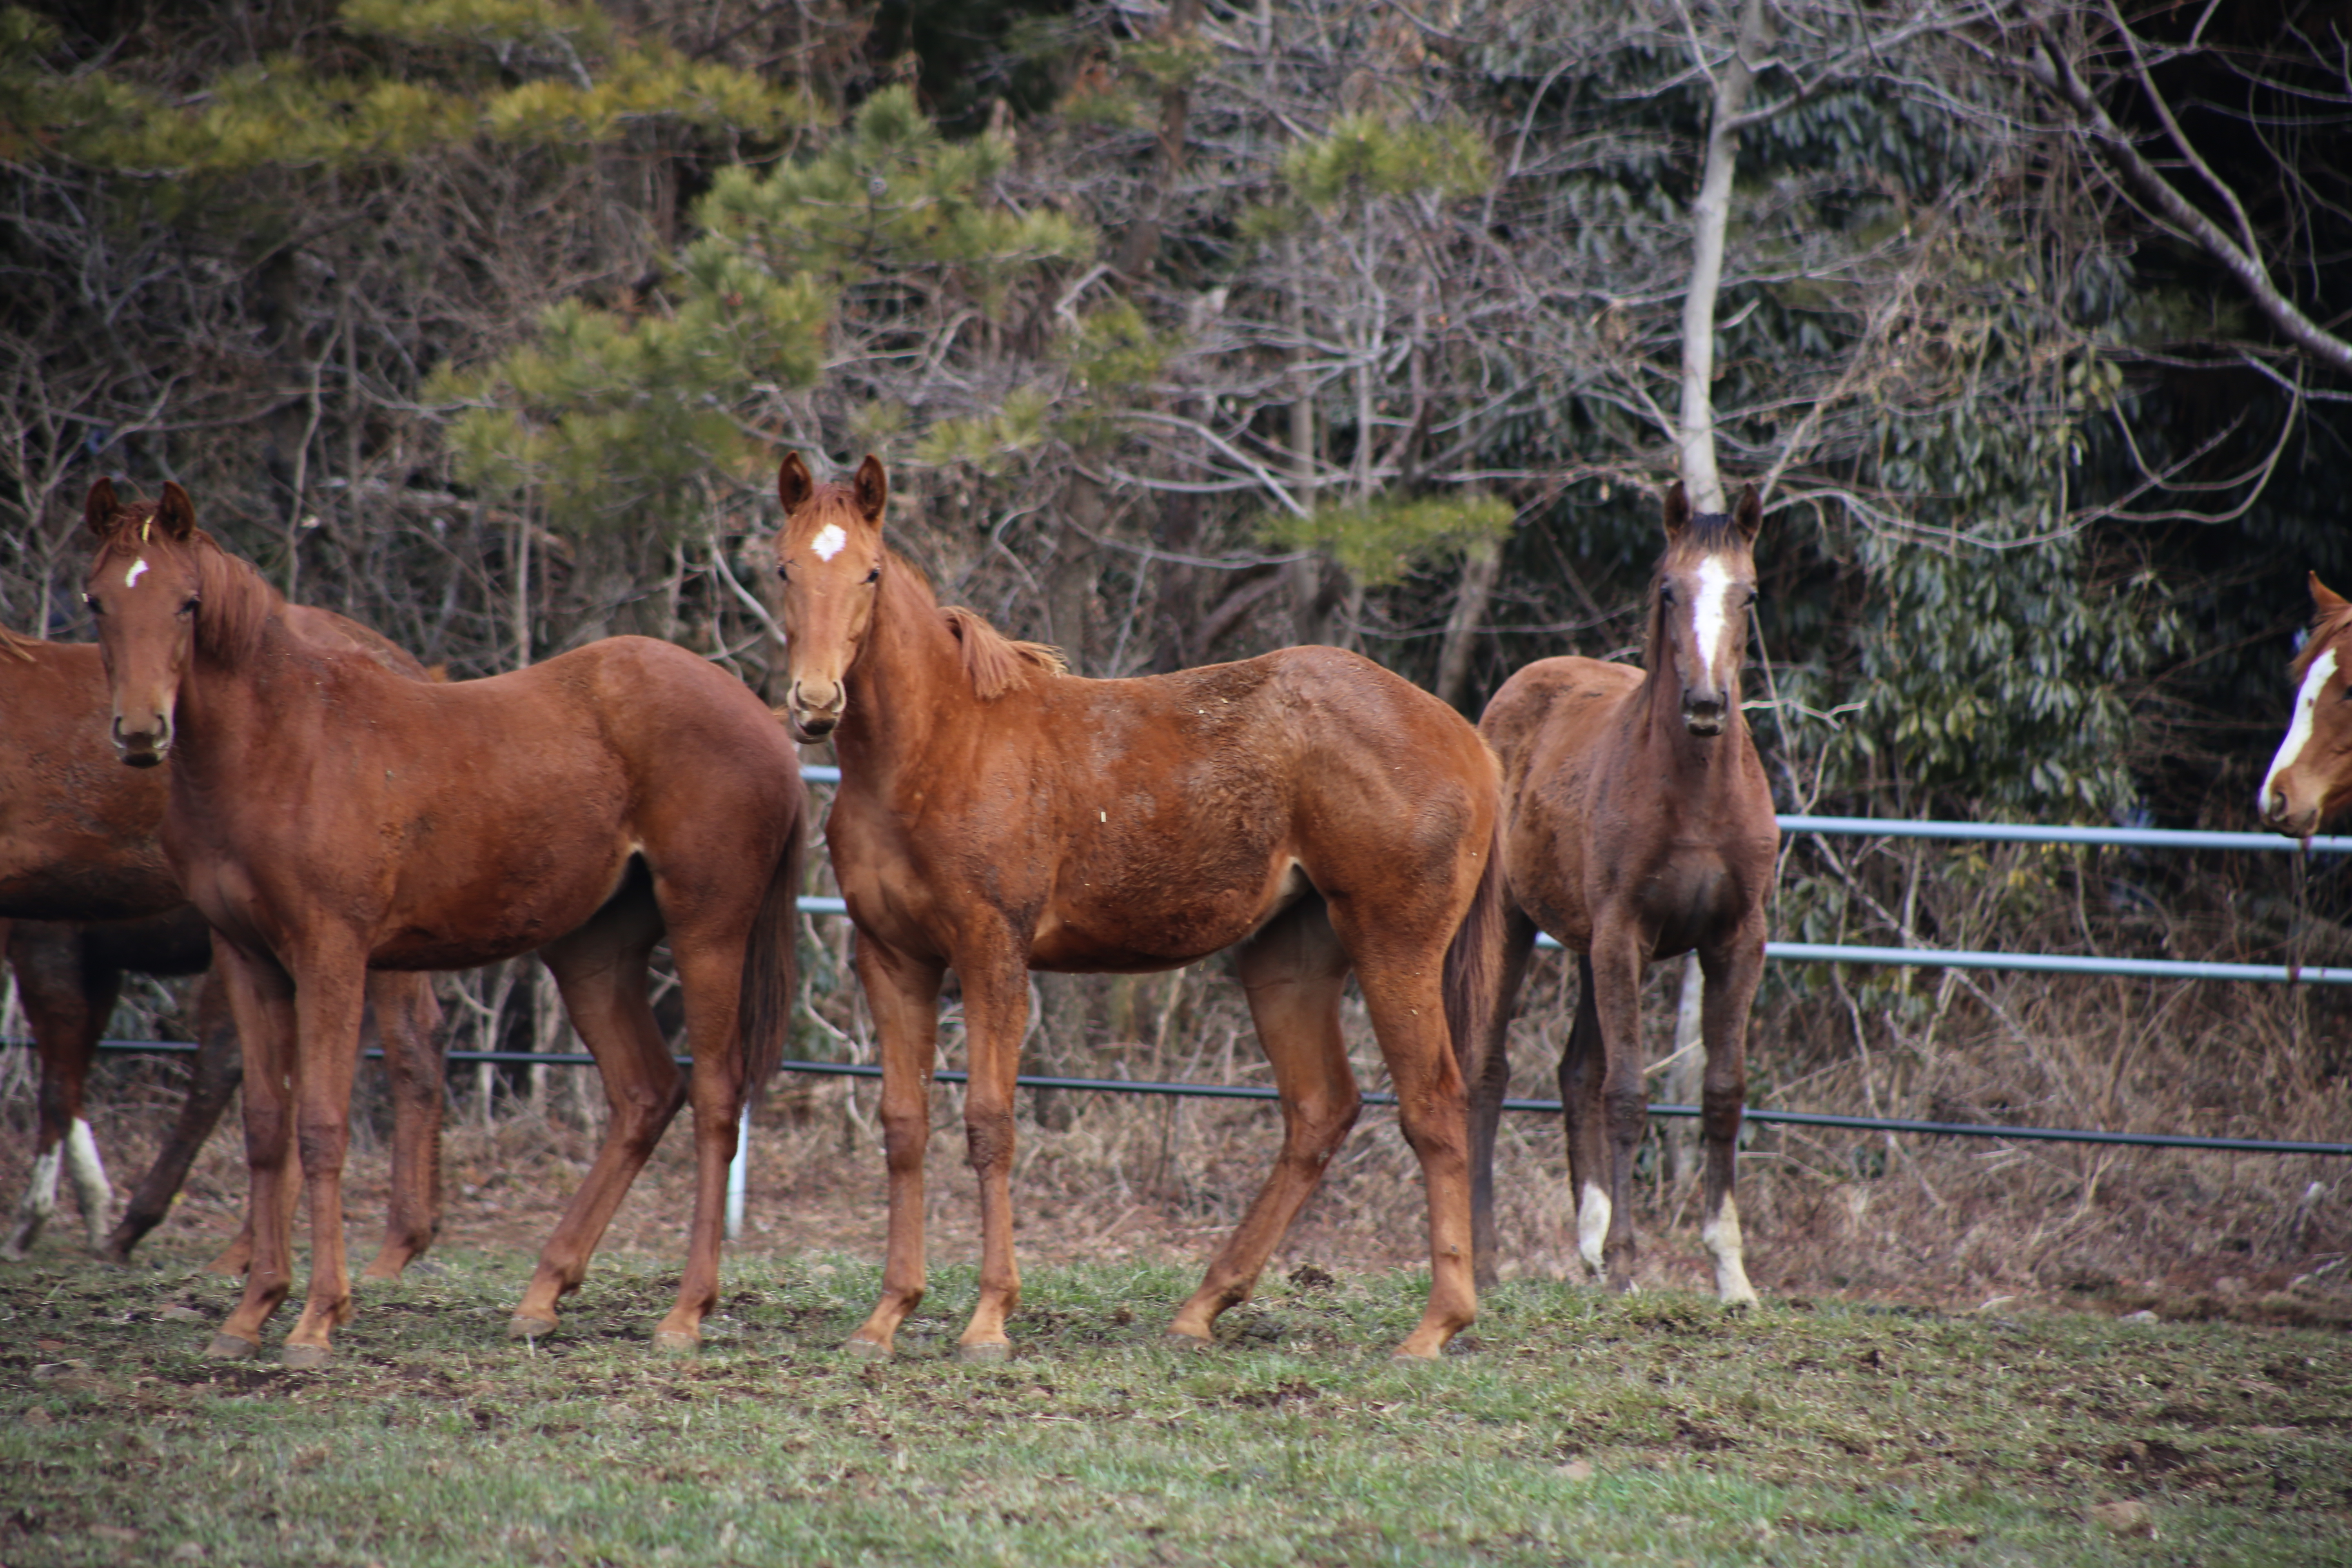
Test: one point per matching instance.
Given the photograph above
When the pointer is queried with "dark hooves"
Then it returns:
(521, 1328)
(673, 1341)
(305, 1358)
(229, 1347)
(988, 1353)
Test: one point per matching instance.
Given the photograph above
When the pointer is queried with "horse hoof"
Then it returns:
(987, 1353)
(229, 1347)
(864, 1350)
(520, 1327)
(676, 1342)
(1177, 1340)
(306, 1358)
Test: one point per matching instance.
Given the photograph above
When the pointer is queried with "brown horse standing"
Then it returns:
(85, 882)
(1639, 826)
(2310, 779)
(329, 816)
(996, 815)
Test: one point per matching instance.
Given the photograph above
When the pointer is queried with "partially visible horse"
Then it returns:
(995, 815)
(84, 880)
(1639, 826)
(329, 816)
(2310, 778)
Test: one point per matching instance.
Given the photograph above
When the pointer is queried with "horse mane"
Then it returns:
(2326, 626)
(995, 663)
(238, 602)
(18, 643)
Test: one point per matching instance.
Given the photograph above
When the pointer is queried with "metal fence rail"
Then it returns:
(1542, 1107)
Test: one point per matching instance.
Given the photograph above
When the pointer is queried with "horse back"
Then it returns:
(1139, 823)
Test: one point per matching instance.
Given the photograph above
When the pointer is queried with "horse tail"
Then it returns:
(1474, 968)
(764, 1016)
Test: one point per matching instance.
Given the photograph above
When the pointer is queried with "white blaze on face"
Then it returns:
(1593, 1216)
(138, 569)
(1708, 613)
(828, 541)
(2298, 733)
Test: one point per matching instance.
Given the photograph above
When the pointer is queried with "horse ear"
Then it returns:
(2324, 599)
(793, 485)
(99, 510)
(1748, 515)
(1677, 510)
(175, 514)
(873, 489)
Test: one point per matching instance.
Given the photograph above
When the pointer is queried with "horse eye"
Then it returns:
(190, 607)
(783, 573)
(875, 575)
(95, 607)
(1666, 593)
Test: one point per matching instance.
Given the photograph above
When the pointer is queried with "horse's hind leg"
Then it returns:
(1294, 971)
(1402, 994)
(408, 1021)
(68, 1004)
(1486, 1073)
(1732, 974)
(601, 971)
(903, 995)
(212, 1080)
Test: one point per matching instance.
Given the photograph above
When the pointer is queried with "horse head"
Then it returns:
(144, 588)
(1705, 582)
(2311, 776)
(829, 562)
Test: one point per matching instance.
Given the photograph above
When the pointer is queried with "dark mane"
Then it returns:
(2327, 626)
(18, 643)
(238, 602)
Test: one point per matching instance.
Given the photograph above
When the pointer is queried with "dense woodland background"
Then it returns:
(1189, 330)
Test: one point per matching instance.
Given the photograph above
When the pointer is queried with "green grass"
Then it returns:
(1571, 1429)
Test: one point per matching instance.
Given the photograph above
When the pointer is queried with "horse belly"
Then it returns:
(1157, 922)
(454, 914)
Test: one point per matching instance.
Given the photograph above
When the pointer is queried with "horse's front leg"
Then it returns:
(1732, 972)
(1486, 1072)
(261, 999)
(1619, 1109)
(995, 1016)
(329, 994)
(903, 993)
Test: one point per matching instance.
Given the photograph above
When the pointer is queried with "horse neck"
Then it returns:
(238, 691)
(908, 686)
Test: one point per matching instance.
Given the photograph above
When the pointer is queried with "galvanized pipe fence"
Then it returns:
(1785, 952)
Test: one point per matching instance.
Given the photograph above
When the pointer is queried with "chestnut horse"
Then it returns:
(84, 880)
(996, 815)
(329, 816)
(1638, 826)
(2310, 779)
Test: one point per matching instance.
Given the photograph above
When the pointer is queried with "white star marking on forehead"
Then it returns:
(828, 541)
(2298, 734)
(131, 578)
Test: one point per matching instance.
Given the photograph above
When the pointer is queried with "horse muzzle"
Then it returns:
(1703, 716)
(2280, 814)
(812, 711)
(143, 748)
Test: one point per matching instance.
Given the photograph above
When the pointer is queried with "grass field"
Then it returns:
(1572, 1427)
